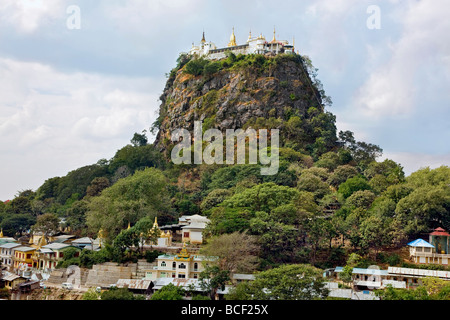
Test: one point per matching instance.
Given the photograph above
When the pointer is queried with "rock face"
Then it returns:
(237, 98)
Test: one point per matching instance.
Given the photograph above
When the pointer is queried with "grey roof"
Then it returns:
(195, 225)
(241, 276)
(56, 246)
(10, 245)
(24, 249)
(84, 240)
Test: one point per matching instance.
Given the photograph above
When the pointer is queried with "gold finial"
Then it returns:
(274, 31)
(155, 224)
(250, 35)
(129, 226)
(1, 233)
(232, 42)
(203, 39)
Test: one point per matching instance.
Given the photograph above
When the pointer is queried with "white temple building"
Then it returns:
(253, 45)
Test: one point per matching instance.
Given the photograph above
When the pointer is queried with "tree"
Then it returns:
(425, 208)
(91, 294)
(17, 224)
(287, 282)
(262, 197)
(213, 279)
(139, 140)
(341, 174)
(47, 224)
(237, 252)
(128, 200)
(97, 186)
(169, 292)
(352, 185)
(360, 199)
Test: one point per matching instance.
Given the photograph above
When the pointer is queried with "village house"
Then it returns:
(23, 257)
(435, 251)
(181, 266)
(7, 254)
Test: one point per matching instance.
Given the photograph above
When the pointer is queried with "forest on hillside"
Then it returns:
(330, 197)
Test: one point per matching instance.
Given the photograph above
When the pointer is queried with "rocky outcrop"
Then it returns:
(237, 97)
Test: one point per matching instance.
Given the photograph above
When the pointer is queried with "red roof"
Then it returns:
(439, 232)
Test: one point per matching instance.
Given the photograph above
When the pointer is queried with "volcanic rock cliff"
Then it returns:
(240, 92)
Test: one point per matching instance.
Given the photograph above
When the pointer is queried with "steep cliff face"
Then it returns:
(258, 93)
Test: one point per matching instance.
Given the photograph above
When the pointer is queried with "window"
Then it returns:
(195, 266)
(182, 266)
(174, 265)
(181, 276)
(186, 235)
(195, 276)
(163, 264)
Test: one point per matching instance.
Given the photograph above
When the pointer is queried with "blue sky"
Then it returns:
(69, 97)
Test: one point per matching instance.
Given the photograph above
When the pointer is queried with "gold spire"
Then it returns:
(232, 42)
(155, 224)
(1, 233)
(129, 226)
(184, 254)
(249, 36)
(203, 39)
(274, 39)
(42, 242)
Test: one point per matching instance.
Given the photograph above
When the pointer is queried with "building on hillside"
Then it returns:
(7, 254)
(23, 257)
(164, 238)
(46, 257)
(181, 266)
(369, 279)
(435, 251)
(253, 45)
(11, 281)
(193, 231)
(4, 239)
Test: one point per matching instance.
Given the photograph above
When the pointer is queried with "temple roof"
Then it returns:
(439, 232)
(420, 243)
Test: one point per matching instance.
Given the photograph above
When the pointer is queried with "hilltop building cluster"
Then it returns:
(253, 45)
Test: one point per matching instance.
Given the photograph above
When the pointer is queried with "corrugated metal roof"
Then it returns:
(134, 284)
(419, 272)
(10, 245)
(11, 277)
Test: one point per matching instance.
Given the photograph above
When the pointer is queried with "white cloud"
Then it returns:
(28, 15)
(392, 88)
(57, 122)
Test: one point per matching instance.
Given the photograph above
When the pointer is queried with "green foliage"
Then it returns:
(120, 294)
(15, 225)
(91, 294)
(283, 283)
(263, 197)
(352, 185)
(130, 199)
(169, 292)
(196, 67)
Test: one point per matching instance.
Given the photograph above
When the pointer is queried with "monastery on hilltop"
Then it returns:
(258, 45)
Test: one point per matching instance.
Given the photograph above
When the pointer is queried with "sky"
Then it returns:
(79, 77)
